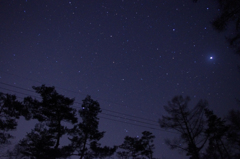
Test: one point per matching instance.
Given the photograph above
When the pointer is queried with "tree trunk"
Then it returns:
(84, 145)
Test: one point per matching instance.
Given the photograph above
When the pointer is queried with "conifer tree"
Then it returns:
(39, 143)
(85, 135)
(53, 111)
(234, 132)
(229, 14)
(10, 111)
(136, 147)
(217, 137)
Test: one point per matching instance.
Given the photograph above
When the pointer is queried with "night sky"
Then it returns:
(132, 56)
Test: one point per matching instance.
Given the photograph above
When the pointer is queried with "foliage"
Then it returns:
(101, 152)
(188, 123)
(146, 141)
(234, 132)
(38, 143)
(85, 134)
(10, 110)
(137, 147)
(51, 112)
(15, 153)
(196, 130)
(229, 13)
(217, 133)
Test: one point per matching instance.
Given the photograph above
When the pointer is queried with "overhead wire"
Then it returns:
(129, 119)
(75, 106)
(13, 91)
(74, 92)
(101, 115)
(134, 124)
(75, 101)
(128, 115)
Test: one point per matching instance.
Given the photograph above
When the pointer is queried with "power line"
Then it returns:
(17, 87)
(75, 102)
(139, 125)
(105, 114)
(129, 119)
(128, 123)
(102, 117)
(125, 114)
(128, 115)
(72, 91)
(14, 91)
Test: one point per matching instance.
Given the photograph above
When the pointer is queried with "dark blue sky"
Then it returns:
(133, 56)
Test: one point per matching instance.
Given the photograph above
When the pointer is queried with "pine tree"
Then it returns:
(229, 14)
(51, 111)
(136, 147)
(85, 135)
(10, 111)
(39, 143)
(147, 142)
(234, 132)
(217, 136)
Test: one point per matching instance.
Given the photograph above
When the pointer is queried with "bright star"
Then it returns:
(211, 58)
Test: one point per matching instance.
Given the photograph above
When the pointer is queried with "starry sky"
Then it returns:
(132, 56)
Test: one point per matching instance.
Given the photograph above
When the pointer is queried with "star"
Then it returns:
(211, 58)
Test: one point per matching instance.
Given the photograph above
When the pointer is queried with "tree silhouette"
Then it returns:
(102, 152)
(51, 111)
(133, 147)
(147, 142)
(217, 132)
(38, 143)
(136, 147)
(10, 110)
(229, 13)
(15, 153)
(189, 123)
(234, 132)
(85, 134)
